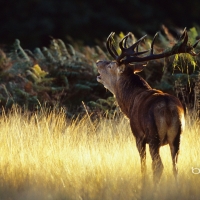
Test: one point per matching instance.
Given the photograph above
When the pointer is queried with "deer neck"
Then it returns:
(128, 88)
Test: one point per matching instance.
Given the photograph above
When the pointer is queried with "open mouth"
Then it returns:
(98, 77)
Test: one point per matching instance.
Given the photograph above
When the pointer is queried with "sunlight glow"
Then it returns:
(44, 156)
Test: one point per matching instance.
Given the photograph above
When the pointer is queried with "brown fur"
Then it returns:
(156, 118)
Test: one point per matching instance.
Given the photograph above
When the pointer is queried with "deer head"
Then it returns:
(131, 60)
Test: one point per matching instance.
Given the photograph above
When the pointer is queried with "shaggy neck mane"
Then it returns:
(128, 87)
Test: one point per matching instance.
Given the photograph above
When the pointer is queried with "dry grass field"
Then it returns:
(46, 157)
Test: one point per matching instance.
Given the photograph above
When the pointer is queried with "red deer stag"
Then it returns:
(156, 118)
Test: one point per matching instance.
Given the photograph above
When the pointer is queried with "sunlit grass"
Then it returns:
(44, 156)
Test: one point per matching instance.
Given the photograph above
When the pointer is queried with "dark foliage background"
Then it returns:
(59, 74)
(35, 21)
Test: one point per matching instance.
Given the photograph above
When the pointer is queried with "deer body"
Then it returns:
(156, 118)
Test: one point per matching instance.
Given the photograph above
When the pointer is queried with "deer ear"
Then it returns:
(138, 67)
(121, 69)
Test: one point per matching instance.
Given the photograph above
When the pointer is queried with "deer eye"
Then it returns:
(109, 66)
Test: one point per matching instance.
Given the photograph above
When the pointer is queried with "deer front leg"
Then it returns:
(141, 146)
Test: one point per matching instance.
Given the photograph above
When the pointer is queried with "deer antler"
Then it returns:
(131, 54)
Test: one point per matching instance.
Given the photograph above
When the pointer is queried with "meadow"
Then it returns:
(44, 156)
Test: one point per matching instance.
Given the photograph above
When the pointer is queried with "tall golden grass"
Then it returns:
(44, 156)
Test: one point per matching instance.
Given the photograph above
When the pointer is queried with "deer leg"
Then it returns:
(174, 147)
(141, 146)
(157, 165)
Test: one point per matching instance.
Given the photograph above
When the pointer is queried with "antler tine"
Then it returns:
(183, 35)
(122, 43)
(136, 45)
(194, 46)
(108, 43)
(110, 47)
(152, 44)
(138, 42)
(185, 40)
(140, 53)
